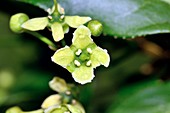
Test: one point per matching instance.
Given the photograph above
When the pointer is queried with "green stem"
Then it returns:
(43, 39)
(56, 7)
(63, 43)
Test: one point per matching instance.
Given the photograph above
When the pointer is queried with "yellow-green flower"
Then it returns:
(58, 24)
(52, 104)
(82, 56)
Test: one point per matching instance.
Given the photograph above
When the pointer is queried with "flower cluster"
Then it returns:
(83, 55)
(63, 102)
(57, 23)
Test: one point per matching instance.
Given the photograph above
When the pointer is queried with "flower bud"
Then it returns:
(16, 21)
(95, 27)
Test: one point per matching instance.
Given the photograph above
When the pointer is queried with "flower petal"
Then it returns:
(52, 100)
(58, 85)
(82, 37)
(75, 105)
(57, 31)
(63, 56)
(76, 21)
(35, 24)
(100, 56)
(83, 74)
(56, 109)
(73, 109)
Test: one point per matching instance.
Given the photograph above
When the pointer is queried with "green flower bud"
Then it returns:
(16, 21)
(95, 27)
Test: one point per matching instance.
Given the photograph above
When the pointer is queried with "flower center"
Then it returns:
(83, 57)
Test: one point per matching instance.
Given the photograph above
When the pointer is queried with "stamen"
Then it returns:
(77, 63)
(61, 17)
(88, 63)
(79, 51)
(68, 92)
(73, 101)
(50, 17)
(89, 50)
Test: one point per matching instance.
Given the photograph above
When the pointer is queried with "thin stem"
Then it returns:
(56, 7)
(63, 43)
(43, 39)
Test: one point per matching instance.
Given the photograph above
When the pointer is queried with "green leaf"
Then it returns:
(35, 24)
(43, 4)
(123, 18)
(151, 98)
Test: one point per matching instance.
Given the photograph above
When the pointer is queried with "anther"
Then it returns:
(89, 50)
(79, 51)
(73, 101)
(61, 17)
(50, 17)
(77, 63)
(88, 63)
(68, 92)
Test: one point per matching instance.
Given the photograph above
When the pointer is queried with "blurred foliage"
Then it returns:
(145, 97)
(135, 80)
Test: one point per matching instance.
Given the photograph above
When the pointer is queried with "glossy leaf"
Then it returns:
(151, 98)
(123, 18)
(44, 4)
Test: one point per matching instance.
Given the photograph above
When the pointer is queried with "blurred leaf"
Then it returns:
(123, 18)
(146, 97)
(29, 84)
(14, 52)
